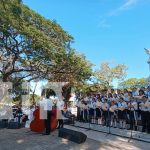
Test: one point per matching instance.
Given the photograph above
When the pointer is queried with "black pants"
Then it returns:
(78, 113)
(145, 121)
(85, 115)
(131, 119)
(48, 122)
(60, 121)
(81, 116)
(106, 118)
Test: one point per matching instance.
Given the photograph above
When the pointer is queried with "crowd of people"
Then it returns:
(117, 108)
(23, 115)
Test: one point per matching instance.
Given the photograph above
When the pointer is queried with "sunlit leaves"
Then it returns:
(106, 74)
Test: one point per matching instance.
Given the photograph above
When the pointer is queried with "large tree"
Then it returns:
(32, 47)
(28, 42)
(107, 74)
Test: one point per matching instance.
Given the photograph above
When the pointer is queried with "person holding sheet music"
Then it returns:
(145, 114)
(99, 111)
(105, 109)
(92, 108)
(113, 114)
(133, 113)
(122, 113)
(82, 105)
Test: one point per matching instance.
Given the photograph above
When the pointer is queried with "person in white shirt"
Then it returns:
(60, 112)
(82, 106)
(133, 113)
(145, 114)
(92, 108)
(99, 111)
(78, 109)
(122, 114)
(113, 114)
(148, 92)
(105, 110)
(135, 92)
(47, 104)
(29, 113)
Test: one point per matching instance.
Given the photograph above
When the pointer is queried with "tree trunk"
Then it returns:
(5, 78)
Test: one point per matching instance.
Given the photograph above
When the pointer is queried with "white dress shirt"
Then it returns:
(60, 105)
(47, 104)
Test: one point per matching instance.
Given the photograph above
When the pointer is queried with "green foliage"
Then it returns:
(106, 75)
(37, 98)
(33, 47)
(133, 82)
(71, 68)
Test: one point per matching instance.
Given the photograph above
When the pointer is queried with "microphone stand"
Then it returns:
(109, 120)
(131, 136)
(108, 125)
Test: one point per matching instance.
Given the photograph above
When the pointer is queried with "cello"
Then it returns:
(38, 126)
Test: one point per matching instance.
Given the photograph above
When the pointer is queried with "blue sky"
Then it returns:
(104, 30)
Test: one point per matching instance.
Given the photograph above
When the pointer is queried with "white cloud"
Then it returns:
(127, 5)
(124, 7)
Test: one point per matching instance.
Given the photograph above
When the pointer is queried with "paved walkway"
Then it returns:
(24, 139)
(116, 141)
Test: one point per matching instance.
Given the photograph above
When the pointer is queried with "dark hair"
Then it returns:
(145, 96)
(121, 98)
(47, 96)
(110, 95)
(141, 92)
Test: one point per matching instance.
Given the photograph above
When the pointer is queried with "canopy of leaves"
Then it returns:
(106, 75)
(133, 83)
(32, 47)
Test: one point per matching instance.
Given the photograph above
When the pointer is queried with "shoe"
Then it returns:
(45, 133)
(135, 128)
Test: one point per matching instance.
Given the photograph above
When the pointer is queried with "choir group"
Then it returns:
(117, 109)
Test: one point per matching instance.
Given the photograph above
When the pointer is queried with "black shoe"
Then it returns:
(130, 129)
(135, 128)
(45, 133)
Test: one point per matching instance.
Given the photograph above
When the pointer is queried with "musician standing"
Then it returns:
(60, 111)
(47, 107)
